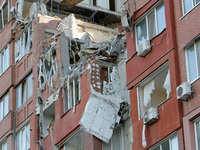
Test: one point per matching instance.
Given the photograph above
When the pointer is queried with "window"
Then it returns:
(71, 94)
(151, 25)
(189, 4)
(193, 60)
(115, 141)
(3, 146)
(24, 90)
(4, 59)
(4, 106)
(167, 144)
(23, 44)
(105, 72)
(23, 138)
(4, 14)
(75, 142)
(197, 133)
(154, 89)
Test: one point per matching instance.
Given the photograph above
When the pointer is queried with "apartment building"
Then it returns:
(62, 75)
(162, 73)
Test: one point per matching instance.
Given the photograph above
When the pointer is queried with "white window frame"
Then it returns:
(145, 16)
(4, 63)
(20, 136)
(194, 4)
(72, 100)
(194, 43)
(3, 145)
(20, 48)
(4, 106)
(170, 137)
(22, 98)
(1, 10)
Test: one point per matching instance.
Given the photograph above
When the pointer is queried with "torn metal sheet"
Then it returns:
(101, 115)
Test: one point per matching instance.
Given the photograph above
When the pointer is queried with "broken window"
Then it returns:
(4, 14)
(3, 146)
(23, 138)
(24, 90)
(71, 93)
(75, 142)
(74, 48)
(4, 106)
(4, 59)
(115, 141)
(154, 89)
(151, 25)
(105, 77)
(23, 43)
(47, 65)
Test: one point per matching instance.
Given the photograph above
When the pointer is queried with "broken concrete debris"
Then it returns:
(81, 47)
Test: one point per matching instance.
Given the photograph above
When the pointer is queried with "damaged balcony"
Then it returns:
(67, 56)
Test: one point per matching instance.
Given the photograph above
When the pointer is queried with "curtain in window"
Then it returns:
(148, 90)
(167, 84)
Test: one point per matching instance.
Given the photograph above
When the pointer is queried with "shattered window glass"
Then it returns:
(155, 89)
(23, 44)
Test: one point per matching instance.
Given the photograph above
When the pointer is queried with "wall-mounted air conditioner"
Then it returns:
(144, 48)
(184, 91)
(150, 116)
(126, 21)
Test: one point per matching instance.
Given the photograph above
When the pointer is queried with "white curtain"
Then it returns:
(148, 90)
(167, 84)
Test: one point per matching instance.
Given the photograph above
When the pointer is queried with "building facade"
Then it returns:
(162, 73)
(99, 75)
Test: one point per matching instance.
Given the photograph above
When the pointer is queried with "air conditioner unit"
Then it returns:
(184, 91)
(126, 21)
(144, 48)
(150, 116)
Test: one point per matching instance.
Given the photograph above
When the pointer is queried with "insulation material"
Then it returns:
(148, 90)
(167, 84)
(101, 115)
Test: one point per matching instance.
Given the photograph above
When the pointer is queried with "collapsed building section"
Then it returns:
(78, 47)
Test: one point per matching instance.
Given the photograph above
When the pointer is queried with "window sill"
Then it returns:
(189, 11)
(193, 81)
